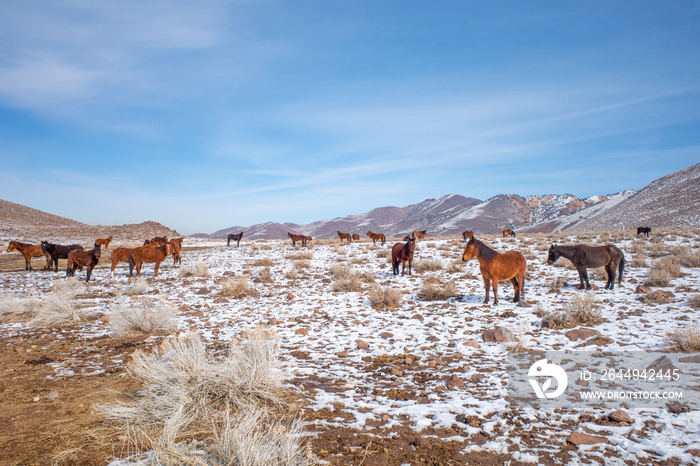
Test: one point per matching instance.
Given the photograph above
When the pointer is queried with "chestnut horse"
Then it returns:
(104, 242)
(120, 255)
(159, 240)
(508, 233)
(29, 251)
(295, 238)
(345, 236)
(466, 235)
(236, 238)
(57, 251)
(89, 259)
(145, 254)
(308, 238)
(495, 266)
(419, 234)
(175, 248)
(402, 253)
(377, 236)
(591, 257)
(355, 237)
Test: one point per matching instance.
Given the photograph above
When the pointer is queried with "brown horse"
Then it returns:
(120, 255)
(355, 237)
(377, 236)
(402, 253)
(496, 266)
(308, 238)
(145, 254)
(643, 231)
(89, 259)
(419, 234)
(345, 236)
(295, 238)
(508, 233)
(159, 240)
(175, 249)
(29, 251)
(57, 251)
(591, 257)
(237, 238)
(466, 235)
(104, 242)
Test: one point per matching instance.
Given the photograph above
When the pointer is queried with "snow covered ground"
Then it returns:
(423, 365)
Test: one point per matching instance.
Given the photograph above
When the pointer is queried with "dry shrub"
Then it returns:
(694, 301)
(683, 339)
(429, 265)
(431, 279)
(671, 265)
(305, 255)
(690, 259)
(351, 283)
(454, 267)
(59, 306)
(663, 271)
(384, 253)
(557, 284)
(198, 269)
(340, 272)
(384, 298)
(638, 260)
(265, 275)
(582, 309)
(292, 273)
(197, 408)
(300, 264)
(431, 292)
(146, 316)
(263, 263)
(13, 308)
(138, 287)
(236, 287)
(367, 277)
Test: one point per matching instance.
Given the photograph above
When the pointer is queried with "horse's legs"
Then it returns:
(87, 274)
(583, 278)
(516, 289)
(27, 263)
(494, 285)
(610, 270)
(487, 285)
(584, 275)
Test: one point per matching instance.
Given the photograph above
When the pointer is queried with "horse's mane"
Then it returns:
(485, 251)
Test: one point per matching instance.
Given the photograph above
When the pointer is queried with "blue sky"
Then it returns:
(204, 115)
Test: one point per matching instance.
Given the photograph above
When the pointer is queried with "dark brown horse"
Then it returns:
(591, 257)
(175, 250)
(295, 238)
(466, 235)
(89, 259)
(237, 238)
(377, 237)
(643, 231)
(308, 238)
(29, 251)
(345, 236)
(419, 234)
(495, 266)
(120, 255)
(104, 242)
(159, 240)
(401, 253)
(508, 233)
(57, 251)
(355, 237)
(145, 254)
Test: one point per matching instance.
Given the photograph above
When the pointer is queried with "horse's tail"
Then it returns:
(621, 270)
(131, 263)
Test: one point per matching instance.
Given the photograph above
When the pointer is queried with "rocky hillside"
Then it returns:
(22, 223)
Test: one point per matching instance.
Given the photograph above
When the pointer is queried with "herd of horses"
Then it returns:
(154, 250)
(494, 266)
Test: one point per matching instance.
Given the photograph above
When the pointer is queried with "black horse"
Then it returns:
(643, 231)
(57, 251)
(236, 238)
(591, 257)
(402, 253)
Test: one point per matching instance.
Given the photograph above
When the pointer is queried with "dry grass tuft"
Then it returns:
(13, 308)
(305, 255)
(200, 409)
(582, 309)
(694, 301)
(683, 339)
(663, 270)
(428, 265)
(265, 275)
(263, 263)
(432, 292)
(135, 288)
(236, 287)
(198, 269)
(146, 316)
(555, 285)
(292, 273)
(384, 298)
(59, 306)
(352, 283)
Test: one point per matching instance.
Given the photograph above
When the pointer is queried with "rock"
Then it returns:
(454, 382)
(432, 339)
(272, 321)
(105, 319)
(52, 396)
(302, 331)
(397, 372)
(499, 335)
(342, 354)
(582, 333)
(523, 303)
(36, 398)
(471, 420)
(694, 452)
(290, 296)
(642, 289)
(202, 291)
(220, 300)
(386, 335)
(361, 344)
(620, 416)
(216, 331)
(472, 343)
(408, 361)
(579, 438)
(417, 316)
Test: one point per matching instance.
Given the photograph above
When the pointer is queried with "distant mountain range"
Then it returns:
(673, 200)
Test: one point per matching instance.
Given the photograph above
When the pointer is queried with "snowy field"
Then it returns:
(424, 364)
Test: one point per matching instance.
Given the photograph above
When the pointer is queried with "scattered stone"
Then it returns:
(361, 344)
(220, 300)
(523, 303)
(202, 291)
(397, 372)
(472, 343)
(290, 296)
(342, 354)
(432, 339)
(52, 396)
(694, 452)
(620, 416)
(408, 361)
(272, 321)
(300, 354)
(418, 317)
(579, 438)
(386, 335)
(454, 382)
(36, 398)
(302, 331)
(498, 335)
(642, 289)
(216, 331)
(582, 333)
(104, 318)
(470, 420)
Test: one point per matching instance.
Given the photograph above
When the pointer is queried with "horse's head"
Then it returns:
(553, 254)
(12, 246)
(97, 250)
(469, 250)
(44, 244)
(410, 245)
